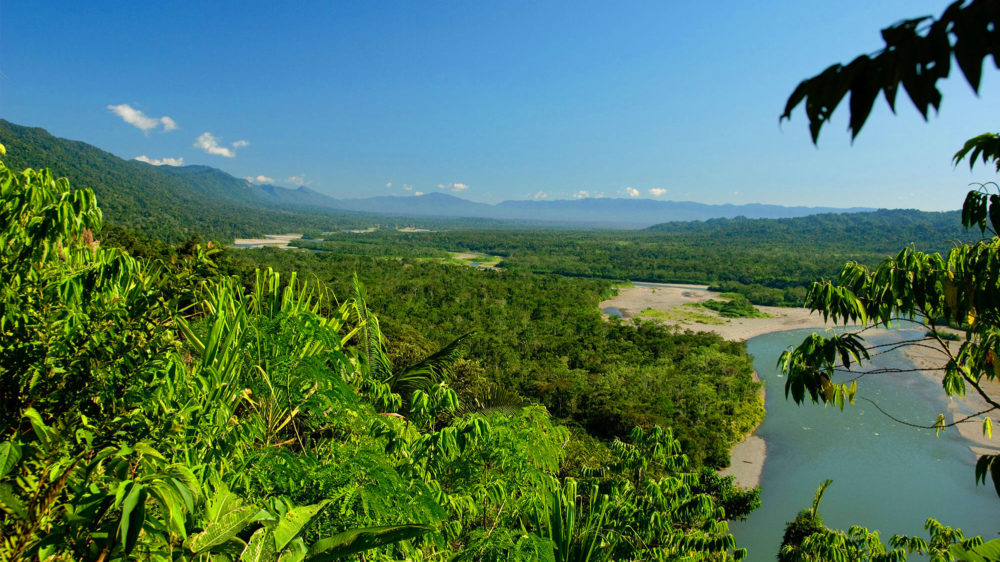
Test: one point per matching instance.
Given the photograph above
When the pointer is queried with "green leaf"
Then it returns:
(987, 551)
(294, 521)
(223, 529)
(359, 540)
(10, 453)
(10, 504)
(260, 548)
(133, 516)
(296, 551)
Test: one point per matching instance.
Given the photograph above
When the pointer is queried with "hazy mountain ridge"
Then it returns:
(596, 212)
(208, 201)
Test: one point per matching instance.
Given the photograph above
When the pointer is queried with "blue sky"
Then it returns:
(490, 100)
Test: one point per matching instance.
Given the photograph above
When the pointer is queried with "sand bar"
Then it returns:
(932, 362)
(270, 240)
(631, 301)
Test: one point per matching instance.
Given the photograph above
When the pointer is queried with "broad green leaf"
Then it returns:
(10, 453)
(359, 540)
(983, 553)
(294, 521)
(133, 516)
(260, 548)
(296, 551)
(10, 503)
(223, 529)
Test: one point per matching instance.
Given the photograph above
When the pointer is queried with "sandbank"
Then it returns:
(932, 362)
(631, 301)
(270, 240)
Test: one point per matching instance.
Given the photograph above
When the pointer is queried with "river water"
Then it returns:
(886, 476)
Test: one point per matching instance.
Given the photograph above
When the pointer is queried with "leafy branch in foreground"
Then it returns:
(807, 539)
(917, 54)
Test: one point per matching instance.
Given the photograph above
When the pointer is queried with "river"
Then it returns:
(886, 475)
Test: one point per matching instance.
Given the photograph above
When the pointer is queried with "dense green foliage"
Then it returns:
(726, 253)
(807, 539)
(736, 306)
(543, 337)
(157, 409)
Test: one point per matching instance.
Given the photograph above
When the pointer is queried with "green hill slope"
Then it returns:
(168, 203)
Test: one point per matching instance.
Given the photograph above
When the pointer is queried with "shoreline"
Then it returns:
(746, 458)
(931, 362)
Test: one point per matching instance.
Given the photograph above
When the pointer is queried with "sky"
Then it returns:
(491, 100)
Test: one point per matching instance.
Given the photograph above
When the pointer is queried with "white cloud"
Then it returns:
(418, 193)
(657, 191)
(299, 180)
(540, 195)
(581, 194)
(140, 120)
(388, 185)
(631, 191)
(210, 144)
(407, 187)
(259, 179)
(161, 161)
(453, 186)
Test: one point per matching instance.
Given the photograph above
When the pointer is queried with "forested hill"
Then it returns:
(882, 231)
(166, 202)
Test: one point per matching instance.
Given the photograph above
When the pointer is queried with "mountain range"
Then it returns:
(173, 202)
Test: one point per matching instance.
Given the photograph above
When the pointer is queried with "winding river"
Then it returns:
(886, 475)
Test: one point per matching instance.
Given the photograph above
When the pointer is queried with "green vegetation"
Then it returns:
(687, 312)
(543, 337)
(737, 306)
(177, 204)
(807, 538)
(725, 253)
(160, 201)
(157, 408)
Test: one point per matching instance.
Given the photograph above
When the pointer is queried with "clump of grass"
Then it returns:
(737, 307)
(688, 312)
(946, 336)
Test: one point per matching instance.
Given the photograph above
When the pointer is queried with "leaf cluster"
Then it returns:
(917, 54)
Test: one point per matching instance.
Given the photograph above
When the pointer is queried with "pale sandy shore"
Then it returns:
(746, 461)
(932, 361)
(270, 240)
(746, 458)
(631, 301)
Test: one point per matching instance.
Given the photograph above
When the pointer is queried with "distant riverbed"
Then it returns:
(269, 240)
